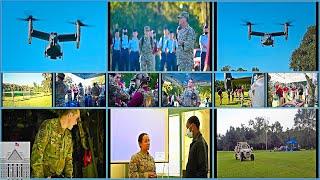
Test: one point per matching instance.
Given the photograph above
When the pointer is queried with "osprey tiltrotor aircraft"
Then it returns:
(53, 50)
(267, 38)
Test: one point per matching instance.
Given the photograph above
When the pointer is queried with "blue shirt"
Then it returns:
(203, 40)
(116, 43)
(125, 42)
(171, 45)
(163, 48)
(134, 44)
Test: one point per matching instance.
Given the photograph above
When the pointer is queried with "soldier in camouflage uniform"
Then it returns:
(190, 96)
(61, 90)
(186, 38)
(117, 96)
(52, 149)
(146, 47)
(142, 164)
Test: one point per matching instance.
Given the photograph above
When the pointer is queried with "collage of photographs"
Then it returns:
(159, 89)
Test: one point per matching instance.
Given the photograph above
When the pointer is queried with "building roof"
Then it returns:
(14, 156)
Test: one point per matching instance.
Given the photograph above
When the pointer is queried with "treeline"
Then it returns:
(45, 85)
(304, 57)
(259, 132)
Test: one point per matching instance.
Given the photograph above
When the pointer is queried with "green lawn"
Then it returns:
(235, 103)
(41, 101)
(298, 164)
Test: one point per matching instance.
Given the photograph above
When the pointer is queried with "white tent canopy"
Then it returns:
(87, 81)
(290, 77)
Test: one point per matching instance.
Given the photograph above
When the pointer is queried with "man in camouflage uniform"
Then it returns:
(117, 96)
(186, 38)
(146, 47)
(190, 96)
(61, 90)
(52, 149)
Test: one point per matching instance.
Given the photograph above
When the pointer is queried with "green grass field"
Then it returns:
(235, 103)
(42, 101)
(298, 164)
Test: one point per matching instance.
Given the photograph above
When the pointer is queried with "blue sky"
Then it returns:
(184, 77)
(236, 50)
(22, 78)
(19, 56)
(220, 76)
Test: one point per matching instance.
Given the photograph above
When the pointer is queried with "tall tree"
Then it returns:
(304, 57)
(304, 131)
(47, 82)
(305, 120)
(226, 68)
(255, 69)
(241, 69)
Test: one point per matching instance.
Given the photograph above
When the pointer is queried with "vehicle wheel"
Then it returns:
(252, 157)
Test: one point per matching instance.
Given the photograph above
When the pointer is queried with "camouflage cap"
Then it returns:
(147, 28)
(184, 14)
(143, 77)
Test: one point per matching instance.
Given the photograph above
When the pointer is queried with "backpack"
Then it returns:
(142, 41)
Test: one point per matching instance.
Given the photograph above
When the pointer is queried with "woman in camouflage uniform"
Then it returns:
(142, 164)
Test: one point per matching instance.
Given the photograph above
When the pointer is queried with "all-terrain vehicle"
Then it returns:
(243, 151)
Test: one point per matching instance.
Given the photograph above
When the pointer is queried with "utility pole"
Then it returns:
(266, 125)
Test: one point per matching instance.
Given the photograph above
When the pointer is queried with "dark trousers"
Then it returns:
(157, 62)
(124, 62)
(115, 59)
(163, 61)
(172, 62)
(134, 61)
(203, 59)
